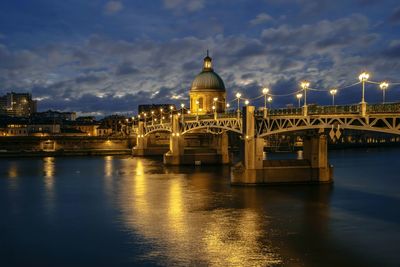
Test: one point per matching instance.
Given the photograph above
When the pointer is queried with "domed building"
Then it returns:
(207, 90)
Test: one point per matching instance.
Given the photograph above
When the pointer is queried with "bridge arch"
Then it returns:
(158, 131)
(238, 131)
(374, 124)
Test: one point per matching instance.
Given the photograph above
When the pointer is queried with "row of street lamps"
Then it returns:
(304, 85)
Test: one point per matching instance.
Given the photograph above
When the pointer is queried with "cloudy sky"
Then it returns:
(104, 57)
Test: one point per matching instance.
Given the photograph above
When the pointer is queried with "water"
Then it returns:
(122, 211)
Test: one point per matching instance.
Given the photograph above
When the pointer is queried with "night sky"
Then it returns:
(101, 57)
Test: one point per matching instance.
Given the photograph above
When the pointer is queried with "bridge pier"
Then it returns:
(253, 170)
(221, 142)
(315, 150)
(176, 144)
(141, 141)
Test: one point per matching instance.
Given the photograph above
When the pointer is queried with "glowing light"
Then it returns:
(182, 105)
(333, 91)
(265, 90)
(215, 99)
(238, 95)
(298, 96)
(246, 102)
(384, 85)
(269, 99)
(363, 77)
(213, 107)
(305, 85)
(228, 105)
(171, 107)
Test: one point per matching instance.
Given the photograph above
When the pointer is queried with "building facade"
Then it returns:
(17, 105)
(207, 92)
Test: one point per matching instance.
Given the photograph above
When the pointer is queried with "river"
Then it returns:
(124, 211)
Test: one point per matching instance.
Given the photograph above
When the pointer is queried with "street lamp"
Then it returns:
(182, 107)
(333, 93)
(363, 77)
(197, 109)
(383, 86)
(299, 96)
(171, 108)
(265, 92)
(304, 85)
(269, 99)
(152, 117)
(227, 107)
(214, 111)
(238, 95)
(215, 99)
(246, 102)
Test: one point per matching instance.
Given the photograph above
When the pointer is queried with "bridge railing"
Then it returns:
(281, 112)
(210, 116)
(383, 108)
(327, 110)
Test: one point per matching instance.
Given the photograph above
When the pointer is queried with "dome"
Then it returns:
(209, 81)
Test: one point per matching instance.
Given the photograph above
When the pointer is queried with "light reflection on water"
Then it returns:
(48, 177)
(177, 217)
(151, 214)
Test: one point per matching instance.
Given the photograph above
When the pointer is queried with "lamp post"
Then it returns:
(227, 107)
(269, 99)
(152, 117)
(265, 92)
(363, 77)
(383, 86)
(182, 107)
(299, 96)
(333, 93)
(215, 99)
(238, 95)
(171, 109)
(304, 85)
(197, 108)
(214, 111)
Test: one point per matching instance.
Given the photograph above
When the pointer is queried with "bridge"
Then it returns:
(254, 125)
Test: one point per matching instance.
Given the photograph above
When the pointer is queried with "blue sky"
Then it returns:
(101, 57)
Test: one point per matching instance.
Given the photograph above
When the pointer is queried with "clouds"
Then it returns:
(150, 55)
(184, 5)
(395, 16)
(261, 18)
(113, 7)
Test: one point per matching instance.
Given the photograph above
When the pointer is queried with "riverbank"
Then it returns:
(66, 153)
